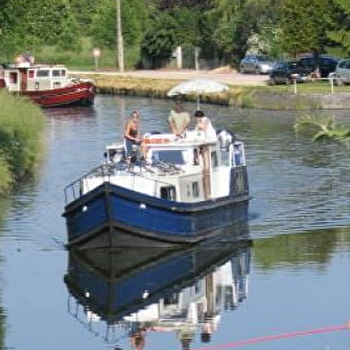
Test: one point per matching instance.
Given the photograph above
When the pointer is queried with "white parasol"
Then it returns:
(198, 86)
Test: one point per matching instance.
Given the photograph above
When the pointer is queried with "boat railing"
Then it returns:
(104, 172)
(74, 191)
(110, 331)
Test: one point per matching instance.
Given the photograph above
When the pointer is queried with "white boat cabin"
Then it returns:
(188, 169)
(24, 77)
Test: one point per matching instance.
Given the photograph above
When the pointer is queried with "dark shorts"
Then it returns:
(129, 144)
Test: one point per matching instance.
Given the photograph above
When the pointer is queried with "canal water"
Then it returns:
(279, 281)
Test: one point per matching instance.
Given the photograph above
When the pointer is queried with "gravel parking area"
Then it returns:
(231, 78)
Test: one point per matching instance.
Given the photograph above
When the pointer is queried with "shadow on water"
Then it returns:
(303, 250)
(68, 114)
(144, 290)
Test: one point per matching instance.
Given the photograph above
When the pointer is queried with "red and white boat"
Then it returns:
(47, 85)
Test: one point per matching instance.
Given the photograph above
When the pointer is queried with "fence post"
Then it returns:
(332, 84)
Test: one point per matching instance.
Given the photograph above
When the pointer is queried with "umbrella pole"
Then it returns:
(198, 104)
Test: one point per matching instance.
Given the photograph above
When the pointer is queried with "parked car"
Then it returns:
(256, 64)
(326, 64)
(341, 75)
(286, 72)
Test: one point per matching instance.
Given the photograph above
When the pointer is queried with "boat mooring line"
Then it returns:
(276, 337)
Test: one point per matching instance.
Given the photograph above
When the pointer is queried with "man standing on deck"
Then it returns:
(179, 119)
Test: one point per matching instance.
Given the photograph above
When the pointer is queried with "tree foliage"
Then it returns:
(160, 39)
(341, 33)
(104, 21)
(304, 25)
(226, 29)
(26, 24)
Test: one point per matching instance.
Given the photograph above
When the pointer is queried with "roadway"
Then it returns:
(228, 77)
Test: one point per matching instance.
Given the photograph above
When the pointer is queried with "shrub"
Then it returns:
(21, 125)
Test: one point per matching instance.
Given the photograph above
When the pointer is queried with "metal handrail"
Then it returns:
(74, 187)
(73, 190)
(330, 79)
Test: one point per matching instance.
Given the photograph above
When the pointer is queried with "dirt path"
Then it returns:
(231, 78)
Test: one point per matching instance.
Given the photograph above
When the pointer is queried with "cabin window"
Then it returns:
(188, 191)
(195, 189)
(168, 156)
(237, 155)
(167, 192)
(58, 73)
(31, 74)
(43, 73)
(196, 156)
(214, 159)
(172, 299)
(225, 158)
(13, 77)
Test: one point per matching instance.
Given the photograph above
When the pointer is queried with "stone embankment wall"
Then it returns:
(270, 100)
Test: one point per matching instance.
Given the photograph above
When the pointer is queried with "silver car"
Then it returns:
(341, 74)
(256, 64)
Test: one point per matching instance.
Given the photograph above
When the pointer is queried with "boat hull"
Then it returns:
(80, 94)
(112, 216)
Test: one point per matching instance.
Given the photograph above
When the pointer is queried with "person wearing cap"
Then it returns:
(204, 125)
(179, 119)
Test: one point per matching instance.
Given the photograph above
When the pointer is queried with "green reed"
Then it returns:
(21, 126)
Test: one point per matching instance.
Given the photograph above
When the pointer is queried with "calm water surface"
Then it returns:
(287, 272)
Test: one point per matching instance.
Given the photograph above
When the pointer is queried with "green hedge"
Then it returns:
(21, 126)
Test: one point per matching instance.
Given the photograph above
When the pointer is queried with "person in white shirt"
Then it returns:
(204, 124)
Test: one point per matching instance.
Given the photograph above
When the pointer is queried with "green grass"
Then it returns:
(21, 126)
(315, 87)
(82, 57)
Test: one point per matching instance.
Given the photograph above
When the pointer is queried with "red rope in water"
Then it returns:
(277, 336)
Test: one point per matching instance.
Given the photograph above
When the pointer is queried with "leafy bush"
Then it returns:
(6, 178)
(21, 125)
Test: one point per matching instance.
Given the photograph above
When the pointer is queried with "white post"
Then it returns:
(332, 84)
(179, 57)
(120, 44)
(96, 52)
(196, 57)
(295, 86)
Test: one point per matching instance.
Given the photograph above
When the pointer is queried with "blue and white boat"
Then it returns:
(186, 190)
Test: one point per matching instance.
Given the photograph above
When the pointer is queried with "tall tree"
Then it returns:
(133, 16)
(28, 24)
(304, 25)
(83, 11)
(341, 34)
(160, 38)
(236, 20)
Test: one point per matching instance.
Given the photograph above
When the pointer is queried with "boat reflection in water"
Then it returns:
(120, 293)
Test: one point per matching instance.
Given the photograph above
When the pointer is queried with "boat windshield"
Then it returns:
(169, 156)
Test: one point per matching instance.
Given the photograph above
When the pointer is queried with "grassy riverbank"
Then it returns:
(158, 88)
(313, 95)
(21, 126)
